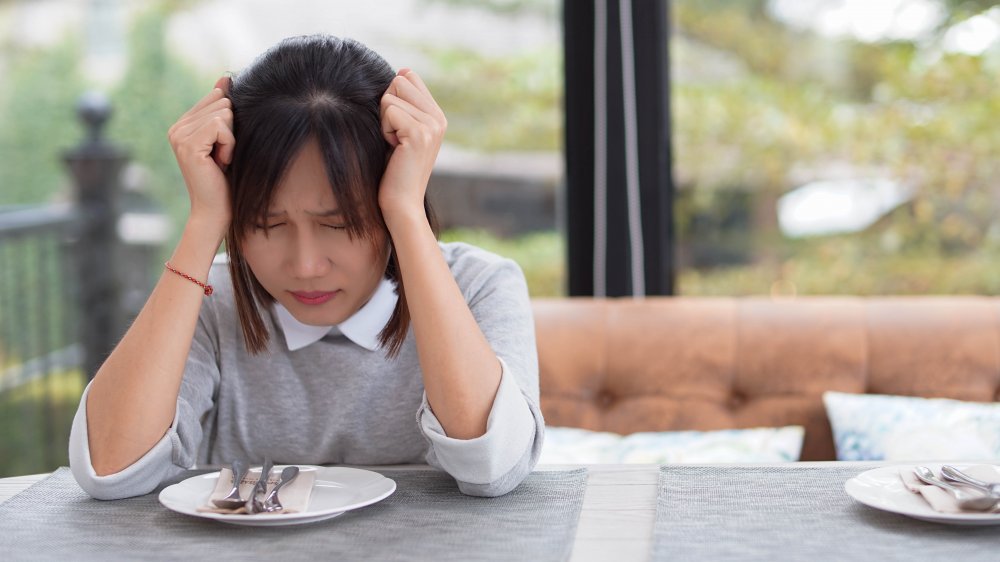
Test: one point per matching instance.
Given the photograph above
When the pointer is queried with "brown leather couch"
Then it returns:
(676, 363)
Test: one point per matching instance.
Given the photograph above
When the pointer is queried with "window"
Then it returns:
(843, 147)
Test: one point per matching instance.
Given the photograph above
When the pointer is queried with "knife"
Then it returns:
(255, 503)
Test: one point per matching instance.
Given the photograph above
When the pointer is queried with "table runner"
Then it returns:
(426, 518)
(794, 513)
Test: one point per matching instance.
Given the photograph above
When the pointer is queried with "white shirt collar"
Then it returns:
(362, 328)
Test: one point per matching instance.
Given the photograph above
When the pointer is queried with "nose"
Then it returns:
(308, 257)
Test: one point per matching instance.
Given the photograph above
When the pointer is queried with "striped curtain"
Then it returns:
(618, 183)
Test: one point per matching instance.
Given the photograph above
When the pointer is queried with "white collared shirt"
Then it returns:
(362, 328)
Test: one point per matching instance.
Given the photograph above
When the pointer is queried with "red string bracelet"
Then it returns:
(208, 288)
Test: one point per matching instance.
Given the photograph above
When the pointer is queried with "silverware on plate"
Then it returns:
(271, 502)
(966, 499)
(955, 475)
(255, 503)
(233, 499)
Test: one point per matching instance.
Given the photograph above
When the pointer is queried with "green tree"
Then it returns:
(156, 90)
(500, 103)
(38, 121)
(546, 8)
(803, 101)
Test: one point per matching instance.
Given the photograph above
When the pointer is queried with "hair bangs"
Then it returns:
(354, 173)
(262, 158)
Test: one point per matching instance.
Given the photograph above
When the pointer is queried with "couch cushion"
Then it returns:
(695, 363)
(871, 427)
(565, 445)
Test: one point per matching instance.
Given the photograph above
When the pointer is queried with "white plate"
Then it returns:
(336, 490)
(881, 488)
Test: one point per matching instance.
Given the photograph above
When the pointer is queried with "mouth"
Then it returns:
(313, 297)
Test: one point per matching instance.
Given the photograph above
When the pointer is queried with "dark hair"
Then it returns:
(311, 87)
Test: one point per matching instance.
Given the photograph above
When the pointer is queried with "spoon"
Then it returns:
(232, 499)
(271, 502)
(966, 500)
(955, 475)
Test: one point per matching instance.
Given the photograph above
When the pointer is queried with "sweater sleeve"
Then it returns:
(497, 461)
(175, 451)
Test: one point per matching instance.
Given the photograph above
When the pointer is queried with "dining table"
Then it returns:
(642, 512)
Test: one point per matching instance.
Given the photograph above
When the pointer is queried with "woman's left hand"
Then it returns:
(414, 125)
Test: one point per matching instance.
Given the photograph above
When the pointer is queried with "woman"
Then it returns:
(341, 331)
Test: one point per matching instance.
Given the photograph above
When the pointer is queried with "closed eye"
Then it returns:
(336, 226)
(266, 227)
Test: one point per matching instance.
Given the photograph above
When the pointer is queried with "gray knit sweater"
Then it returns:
(336, 402)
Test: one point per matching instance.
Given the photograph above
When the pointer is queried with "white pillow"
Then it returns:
(904, 428)
(569, 445)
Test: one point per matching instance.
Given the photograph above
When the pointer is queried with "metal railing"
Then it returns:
(61, 300)
(38, 335)
(37, 305)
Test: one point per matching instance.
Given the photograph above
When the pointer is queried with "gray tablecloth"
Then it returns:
(795, 513)
(427, 518)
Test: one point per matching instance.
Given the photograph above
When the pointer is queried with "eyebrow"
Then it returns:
(326, 213)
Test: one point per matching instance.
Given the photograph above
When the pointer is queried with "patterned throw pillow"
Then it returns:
(897, 428)
(569, 445)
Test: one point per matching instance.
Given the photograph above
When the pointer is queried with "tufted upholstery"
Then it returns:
(674, 363)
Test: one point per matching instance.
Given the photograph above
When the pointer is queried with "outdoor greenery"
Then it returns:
(156, 90)
(547, 8)
(792, 100)
(35, 419)
(844, 265)
(38, 119)
(38, 95)
(499, 103)
(540, 256)
(897, 109)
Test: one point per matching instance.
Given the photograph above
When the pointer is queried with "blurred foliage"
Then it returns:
(540, 255)
(787, 101)
(959, 10)
(35, 419)
(798, 106)
(499, 103)
(512, 102)
(852, 265)
(156, 90)
(547, 8)
(38, 121)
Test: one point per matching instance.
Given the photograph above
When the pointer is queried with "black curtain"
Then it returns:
(619, 190)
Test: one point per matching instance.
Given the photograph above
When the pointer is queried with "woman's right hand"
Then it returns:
(203, 143)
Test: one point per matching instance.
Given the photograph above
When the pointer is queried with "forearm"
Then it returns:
(133, 397)
(461, 371)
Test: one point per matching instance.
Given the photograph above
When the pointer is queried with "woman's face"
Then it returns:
(303, 256)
